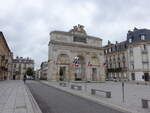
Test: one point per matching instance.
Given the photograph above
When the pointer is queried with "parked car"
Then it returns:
(30, 78)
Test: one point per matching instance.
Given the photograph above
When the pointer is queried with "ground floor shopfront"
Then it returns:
(139, 76)
(3, 75)
(117, 76)
(130, 76)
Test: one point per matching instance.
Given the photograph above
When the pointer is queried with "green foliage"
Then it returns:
(29, 72)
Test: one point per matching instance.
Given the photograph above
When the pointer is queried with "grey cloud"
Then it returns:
(27, 23)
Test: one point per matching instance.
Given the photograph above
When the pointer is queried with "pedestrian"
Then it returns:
(24, 78)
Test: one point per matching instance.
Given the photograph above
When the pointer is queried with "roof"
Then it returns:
(71, 34)
(116, 47)
(23, 60)
(135, 35)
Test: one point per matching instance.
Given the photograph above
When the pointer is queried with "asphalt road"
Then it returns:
(52, 100)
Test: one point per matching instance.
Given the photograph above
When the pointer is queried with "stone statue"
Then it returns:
(78, 29)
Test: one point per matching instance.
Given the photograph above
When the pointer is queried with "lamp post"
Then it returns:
(123, 91)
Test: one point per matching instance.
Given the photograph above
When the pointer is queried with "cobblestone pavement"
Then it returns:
(16, 98)
(133, 94)
(53, 100)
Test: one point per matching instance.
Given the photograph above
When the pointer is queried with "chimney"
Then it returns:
(109, 42)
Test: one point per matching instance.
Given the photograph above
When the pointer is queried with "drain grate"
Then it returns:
(20, 107)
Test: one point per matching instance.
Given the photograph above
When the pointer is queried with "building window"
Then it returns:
(119, 65)
(144, 47)
(111, 49)
(142, 37)
(110, 65)
(132, 65)
(125, 46)
(114, 57)
(145, 65)
(104, 52)
(107, 50)
(124, 65)
(106, 58)
(133, 76)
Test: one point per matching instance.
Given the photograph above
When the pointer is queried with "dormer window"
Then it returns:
(130, 40)
(142, 37)
(109, 49)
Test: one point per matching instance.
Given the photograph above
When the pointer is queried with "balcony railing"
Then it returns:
(145, 61)
(114, 70)
(2, 68)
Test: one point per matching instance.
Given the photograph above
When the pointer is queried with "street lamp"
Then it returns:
(123, 91)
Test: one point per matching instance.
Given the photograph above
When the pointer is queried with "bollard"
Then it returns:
(144, 103)
(108, 94)
(79, 88)
(72, 86)
(93, 91)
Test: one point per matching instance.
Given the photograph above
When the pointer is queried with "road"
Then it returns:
(52, 100)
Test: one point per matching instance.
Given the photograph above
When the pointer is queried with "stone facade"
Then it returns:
(65, 46)
(139, 54)
(6, 57)
(20, 66)
(44, 71)
(129, 59)
(116, 60)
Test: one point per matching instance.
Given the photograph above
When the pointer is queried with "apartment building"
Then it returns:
(20, 66)
(129, 59)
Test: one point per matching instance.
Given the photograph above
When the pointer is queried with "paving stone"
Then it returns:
(14, 98)
(133, 94)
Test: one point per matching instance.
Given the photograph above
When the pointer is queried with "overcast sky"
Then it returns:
(26, 24)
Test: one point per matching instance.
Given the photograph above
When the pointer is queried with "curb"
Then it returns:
(34, 104)
(113, 106)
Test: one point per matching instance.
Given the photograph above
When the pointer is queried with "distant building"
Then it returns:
(116, 60)
(6, 57)
(20, 66)
(129, 59)
(44, 70)
(37, 74)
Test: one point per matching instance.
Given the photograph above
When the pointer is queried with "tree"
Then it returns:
(30, 72)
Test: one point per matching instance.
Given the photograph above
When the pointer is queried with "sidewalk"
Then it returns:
(16, 98)
(133, 95)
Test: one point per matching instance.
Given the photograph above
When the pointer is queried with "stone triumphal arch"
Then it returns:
(65, 47)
